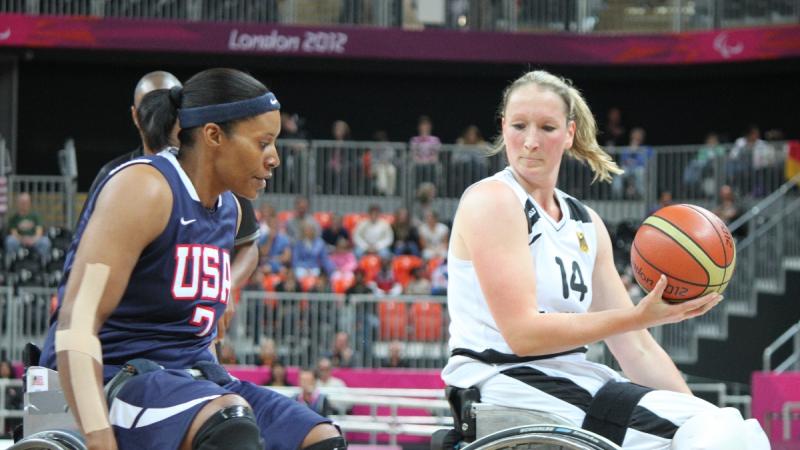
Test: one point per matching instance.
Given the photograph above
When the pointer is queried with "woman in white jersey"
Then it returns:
(532, 281)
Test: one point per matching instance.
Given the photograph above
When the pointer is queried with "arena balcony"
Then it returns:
(578, 16)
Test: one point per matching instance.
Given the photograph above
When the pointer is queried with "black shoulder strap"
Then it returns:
(531, 214)
(578, 211)
(611, 409)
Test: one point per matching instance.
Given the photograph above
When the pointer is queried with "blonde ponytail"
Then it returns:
(584, 146)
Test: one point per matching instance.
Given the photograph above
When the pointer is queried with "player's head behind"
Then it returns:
(228, 120)
(539, 96)
(151, 81)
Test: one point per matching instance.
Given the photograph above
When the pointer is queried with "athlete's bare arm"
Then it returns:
(490, 230)
(131, 211)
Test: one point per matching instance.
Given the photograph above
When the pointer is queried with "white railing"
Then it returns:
(793, 333)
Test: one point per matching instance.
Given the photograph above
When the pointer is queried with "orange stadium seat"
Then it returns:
(393, 317)
(402, 265)
(433, 264)
(341, 282)
(270, 280)
(351, 220)
(324, 219)
(285, 216)
(426, 317)
(307, 283)
(371, 265)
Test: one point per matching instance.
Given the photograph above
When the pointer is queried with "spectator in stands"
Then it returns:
(309, 254)
(275, 247)
(277, 374)
(25, 229)
(419, 284)
(383, 164)
(698, 175)
(288, 283)
(468, 161)
(325, 375)
(227, 354)
(343, 258)
(373, 235)
(267, 352)
(13, 396)
(406, 237)
(728, 209)
(294, 141)
(342, 354)
(426, 194)
(747, 152)
(385, 282)
(424, 149)
(359, 284)
(664, 199)
(336, 231)
(439, 279)
(322, 285)
(301, 216)
(614, 130)
(768, 163)
(338, 162)
(395, 358)
(433, 236)
(265, 212)
(311, 396)
(633, 160)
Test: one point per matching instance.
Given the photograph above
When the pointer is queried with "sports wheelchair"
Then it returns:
(480, 426)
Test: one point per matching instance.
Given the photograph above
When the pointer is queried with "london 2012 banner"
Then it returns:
(716, 46)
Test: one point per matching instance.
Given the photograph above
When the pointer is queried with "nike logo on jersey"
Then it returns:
(534, 239)
(187, 222)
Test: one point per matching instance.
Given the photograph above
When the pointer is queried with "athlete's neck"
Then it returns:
(201, 174)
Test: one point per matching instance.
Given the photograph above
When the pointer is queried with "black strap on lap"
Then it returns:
(213, 372)
(129, 370)
(611, 409)
(491, 356)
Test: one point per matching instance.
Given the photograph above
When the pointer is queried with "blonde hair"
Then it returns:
(584, 146)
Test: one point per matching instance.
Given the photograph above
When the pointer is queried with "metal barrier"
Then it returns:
(304, 327)
(347, 176)
(506, 15)
(6, 385)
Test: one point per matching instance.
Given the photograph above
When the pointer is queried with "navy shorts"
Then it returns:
(154, 411)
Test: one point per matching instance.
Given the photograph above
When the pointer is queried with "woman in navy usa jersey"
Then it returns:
(532, 281)
(148, 276)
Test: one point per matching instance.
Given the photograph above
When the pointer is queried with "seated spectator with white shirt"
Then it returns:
(373, 235)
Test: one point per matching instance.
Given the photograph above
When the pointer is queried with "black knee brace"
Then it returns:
(334, 443)
(231, 428)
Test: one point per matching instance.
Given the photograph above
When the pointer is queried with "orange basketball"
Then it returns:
(688, 244)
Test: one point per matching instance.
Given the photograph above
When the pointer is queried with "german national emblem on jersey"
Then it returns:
(582, 241)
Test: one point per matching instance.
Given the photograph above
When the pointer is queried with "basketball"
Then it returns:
(691, 246)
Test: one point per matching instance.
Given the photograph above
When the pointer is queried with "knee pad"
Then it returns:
(233, 427)
(720, 429)
(334, 443)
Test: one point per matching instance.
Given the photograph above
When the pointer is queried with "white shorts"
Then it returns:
(565, 386)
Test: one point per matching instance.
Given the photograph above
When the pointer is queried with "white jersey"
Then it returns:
(563, 254)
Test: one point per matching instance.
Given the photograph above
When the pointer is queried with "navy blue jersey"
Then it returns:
(178, 288)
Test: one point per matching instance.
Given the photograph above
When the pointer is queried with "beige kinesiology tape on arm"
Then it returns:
(83, 347)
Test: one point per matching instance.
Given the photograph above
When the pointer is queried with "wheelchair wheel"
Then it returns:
(542, 437)
(51, 440)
